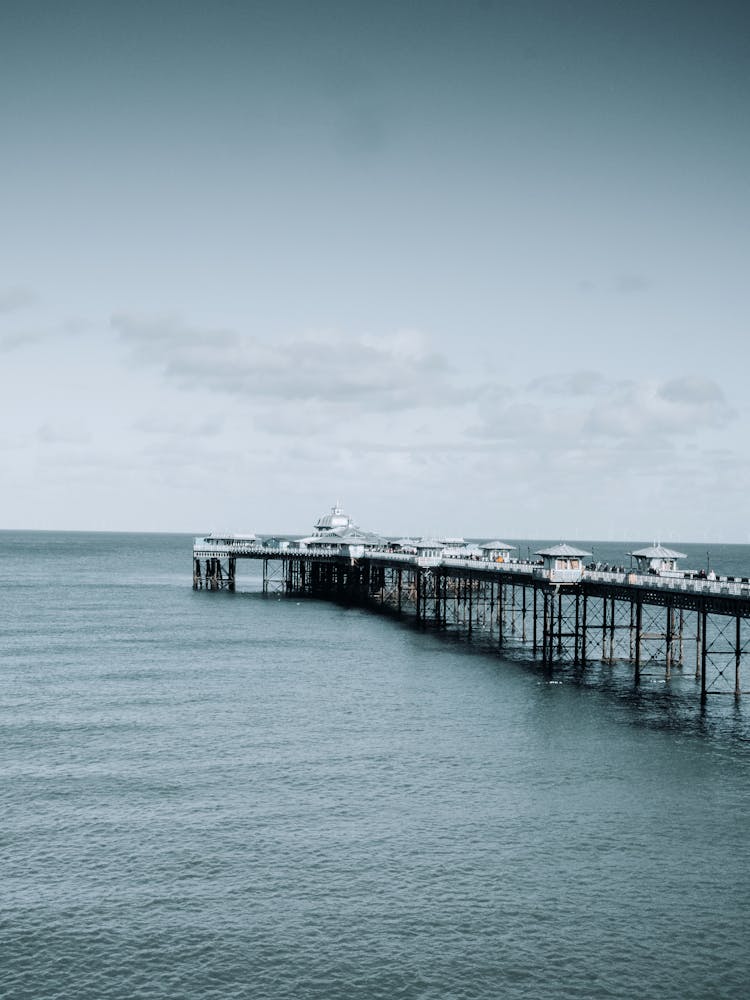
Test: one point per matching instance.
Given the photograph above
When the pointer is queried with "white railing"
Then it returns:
(686, 584)
(555, 575)
(722, 585)
(201, 547)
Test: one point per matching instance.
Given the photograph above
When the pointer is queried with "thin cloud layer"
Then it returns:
(678, 408)
(581, 408)
(577, 383)
(692, 390)
(376, 374)
(165, 426)
(20, 339)
(15, 298)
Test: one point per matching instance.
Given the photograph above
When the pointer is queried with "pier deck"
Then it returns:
(669, 623)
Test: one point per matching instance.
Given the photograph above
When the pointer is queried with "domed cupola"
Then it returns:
(337, 520)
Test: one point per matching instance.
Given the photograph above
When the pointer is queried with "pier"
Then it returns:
(556, 609)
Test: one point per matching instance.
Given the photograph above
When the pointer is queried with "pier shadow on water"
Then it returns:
(670, 704)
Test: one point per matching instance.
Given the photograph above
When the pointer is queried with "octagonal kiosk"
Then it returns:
(561, 564)
(496, 551)
(658, 560)
(429, 552)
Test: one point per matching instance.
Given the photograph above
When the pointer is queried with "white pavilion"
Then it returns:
(657, 558)
(562, 563)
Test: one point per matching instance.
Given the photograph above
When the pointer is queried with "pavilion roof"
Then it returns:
(563, 549)
(658, 552)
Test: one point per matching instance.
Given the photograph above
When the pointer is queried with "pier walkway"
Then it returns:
(675, 622)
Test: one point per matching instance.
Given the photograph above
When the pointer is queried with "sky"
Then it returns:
(468, 268)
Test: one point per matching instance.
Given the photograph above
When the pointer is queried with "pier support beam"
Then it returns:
(703, 654)
(638, 630)
(737, 656)
(584, 626)
(668, 641)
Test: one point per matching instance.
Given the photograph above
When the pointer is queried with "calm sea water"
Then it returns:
(215, 795)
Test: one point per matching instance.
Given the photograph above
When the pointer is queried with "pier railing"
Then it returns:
(685, 583)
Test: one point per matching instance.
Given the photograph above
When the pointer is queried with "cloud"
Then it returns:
(526, 422)
(361, 373)
(19, 339)
(16, 297)
(63, 434)
(173, 427)
(158, 340)
(584, 409)
(578, 383)
(679, 407)
(692, 390)
(632, 284)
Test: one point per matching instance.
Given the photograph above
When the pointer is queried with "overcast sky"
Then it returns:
(470, 267)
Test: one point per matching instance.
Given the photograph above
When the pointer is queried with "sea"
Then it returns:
(215, 795)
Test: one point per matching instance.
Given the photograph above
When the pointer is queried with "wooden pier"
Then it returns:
(675, 624)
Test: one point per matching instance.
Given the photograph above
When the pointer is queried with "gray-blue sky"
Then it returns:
(472, 267)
